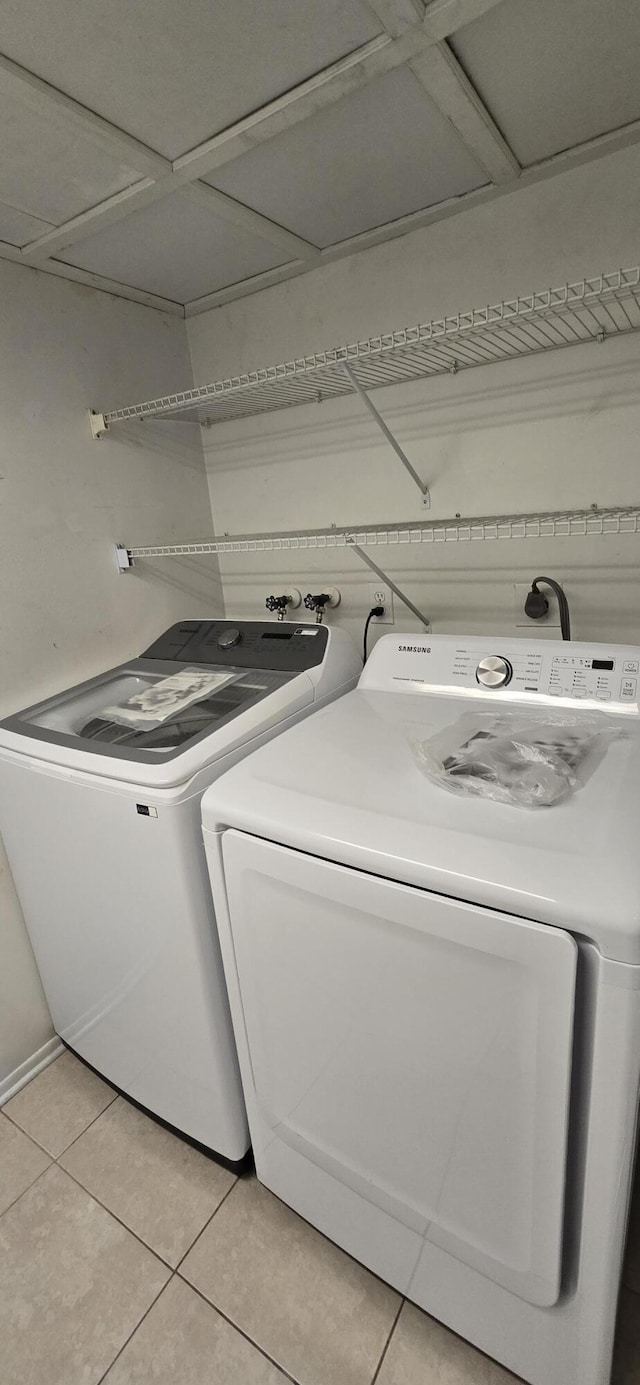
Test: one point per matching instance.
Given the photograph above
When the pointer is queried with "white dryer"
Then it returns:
(436, 998)
(100, 814)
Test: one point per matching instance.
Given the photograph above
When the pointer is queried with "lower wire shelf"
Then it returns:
(549, 525)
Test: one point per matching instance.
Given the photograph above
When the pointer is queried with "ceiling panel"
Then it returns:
(373, 157)
(176, 248)
(555, 74)
(18, 228)
(174, 74)
(45, 170)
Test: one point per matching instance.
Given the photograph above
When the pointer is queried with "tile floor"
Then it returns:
(128, 1258)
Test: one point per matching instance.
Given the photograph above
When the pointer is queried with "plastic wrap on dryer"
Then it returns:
(525, 761)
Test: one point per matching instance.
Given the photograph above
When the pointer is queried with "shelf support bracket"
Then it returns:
(393, 442)
(384, 577)
(124, 557)
(98, 425)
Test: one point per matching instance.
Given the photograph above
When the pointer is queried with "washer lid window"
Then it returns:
(77, 718)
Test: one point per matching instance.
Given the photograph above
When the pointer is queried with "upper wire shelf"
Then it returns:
(589, 310)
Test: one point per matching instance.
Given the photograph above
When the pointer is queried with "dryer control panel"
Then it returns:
(522, 670)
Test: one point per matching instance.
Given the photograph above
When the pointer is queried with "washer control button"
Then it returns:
(628, 689)
(631, 666)
(229, 637)
(494, 671)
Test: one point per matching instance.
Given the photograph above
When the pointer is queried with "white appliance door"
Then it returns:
(415, 1047)
(120, 917)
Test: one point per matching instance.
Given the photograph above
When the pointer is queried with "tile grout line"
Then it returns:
(125, 1225)
(27, 1190)
(240, 1330)
(15, 1125)
(207, 1223)
(135, 1329)
(388, 1341)
(75, 1139)
(118, 1219)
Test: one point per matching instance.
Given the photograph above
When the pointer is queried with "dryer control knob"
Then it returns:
(494, 671)
(229, 637)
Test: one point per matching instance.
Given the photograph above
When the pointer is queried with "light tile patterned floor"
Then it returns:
(126, 1257)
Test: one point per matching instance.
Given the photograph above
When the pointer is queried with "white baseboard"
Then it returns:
(33, 1065)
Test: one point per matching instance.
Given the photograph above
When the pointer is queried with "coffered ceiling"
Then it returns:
(183, 156)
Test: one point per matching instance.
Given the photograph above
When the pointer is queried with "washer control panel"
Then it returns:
(283, 646)
(506, 668)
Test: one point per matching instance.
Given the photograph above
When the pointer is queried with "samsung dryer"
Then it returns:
(100, 790)
(436, 995)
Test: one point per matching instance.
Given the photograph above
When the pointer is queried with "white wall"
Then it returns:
(543, 433)
(64, 501)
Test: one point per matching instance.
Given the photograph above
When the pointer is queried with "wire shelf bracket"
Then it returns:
(124, 557)
(589, 310)
(391, 439)
(98, 424)
(388, 581)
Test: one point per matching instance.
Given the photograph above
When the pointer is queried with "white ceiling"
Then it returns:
(378, 154)
(171, 73)
(556, 73)
(184, 156)
(44, 171)
(178, 248)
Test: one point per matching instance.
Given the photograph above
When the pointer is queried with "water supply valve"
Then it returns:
(280, 603)
(320, 600)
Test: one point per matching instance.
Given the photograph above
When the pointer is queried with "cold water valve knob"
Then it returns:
(317, 602)
(277, 603)
(494, 672)
(281, 603)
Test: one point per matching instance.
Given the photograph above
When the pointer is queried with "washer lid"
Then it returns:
(82, 730)
(345, 786)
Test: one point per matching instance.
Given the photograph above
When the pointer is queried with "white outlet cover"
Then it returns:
(380, 595)
(549, 622)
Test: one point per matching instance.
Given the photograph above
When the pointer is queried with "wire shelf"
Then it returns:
(551, 525)
(589, 310)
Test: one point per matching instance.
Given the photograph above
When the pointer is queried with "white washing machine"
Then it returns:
(100, 814)
(436, 997)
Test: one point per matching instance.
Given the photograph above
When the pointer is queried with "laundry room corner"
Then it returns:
(65, 500)
(319, 801)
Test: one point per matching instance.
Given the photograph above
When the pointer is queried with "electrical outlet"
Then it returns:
(549, 622)
(379, 595)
